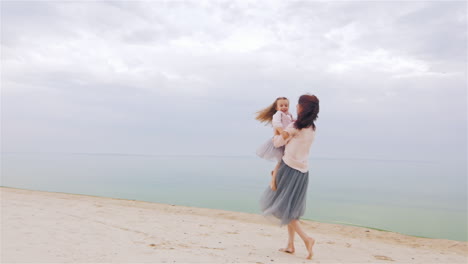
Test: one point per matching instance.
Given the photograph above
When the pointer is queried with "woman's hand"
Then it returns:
(285, 134)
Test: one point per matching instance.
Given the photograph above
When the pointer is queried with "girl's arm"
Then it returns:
(277, 124)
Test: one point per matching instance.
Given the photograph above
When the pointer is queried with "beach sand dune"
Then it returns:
(47, 227)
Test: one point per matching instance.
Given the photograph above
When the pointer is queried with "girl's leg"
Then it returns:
(290, 247)
(308, 241)
(273, 177)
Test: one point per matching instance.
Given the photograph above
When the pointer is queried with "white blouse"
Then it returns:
(296, 153)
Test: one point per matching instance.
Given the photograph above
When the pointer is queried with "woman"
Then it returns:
(288, 202)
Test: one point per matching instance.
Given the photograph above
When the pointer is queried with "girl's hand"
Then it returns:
(285, 134)
(278, 131)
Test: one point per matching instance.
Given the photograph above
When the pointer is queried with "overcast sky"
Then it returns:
(186, 77)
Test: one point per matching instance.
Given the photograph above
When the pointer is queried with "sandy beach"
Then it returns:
(46, 227)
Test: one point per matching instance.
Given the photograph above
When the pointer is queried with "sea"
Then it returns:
(417, 198)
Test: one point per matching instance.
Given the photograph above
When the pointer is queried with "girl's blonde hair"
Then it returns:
(266, 114)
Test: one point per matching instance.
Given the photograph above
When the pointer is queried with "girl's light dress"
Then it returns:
(267, 150)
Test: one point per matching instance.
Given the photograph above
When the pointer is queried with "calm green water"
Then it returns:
(426, 199)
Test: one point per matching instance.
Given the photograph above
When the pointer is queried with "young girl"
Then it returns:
(278, 115)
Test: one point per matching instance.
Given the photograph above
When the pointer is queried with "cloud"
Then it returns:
(126, 65)
(380, 60)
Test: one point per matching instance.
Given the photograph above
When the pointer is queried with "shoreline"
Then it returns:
(302, 219)
(35, 222)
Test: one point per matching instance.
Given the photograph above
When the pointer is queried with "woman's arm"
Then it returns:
(286, 135)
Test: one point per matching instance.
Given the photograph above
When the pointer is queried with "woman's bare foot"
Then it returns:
(289, 250)
(309, 244)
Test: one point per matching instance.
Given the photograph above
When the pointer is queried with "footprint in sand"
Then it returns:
(380, 257)
(213, 248)
(183, 245)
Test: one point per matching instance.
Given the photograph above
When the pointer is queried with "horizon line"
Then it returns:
(211, 155)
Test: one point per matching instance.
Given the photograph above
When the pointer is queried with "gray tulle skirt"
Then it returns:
(288, 202)
(269, 152)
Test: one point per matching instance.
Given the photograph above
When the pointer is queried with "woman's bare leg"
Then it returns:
(308, 241)
(290, 247)
(273, 177)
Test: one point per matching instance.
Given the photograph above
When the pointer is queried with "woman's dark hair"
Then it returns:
(309, 113)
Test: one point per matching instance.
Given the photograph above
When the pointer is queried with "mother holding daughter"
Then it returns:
(288, 201)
